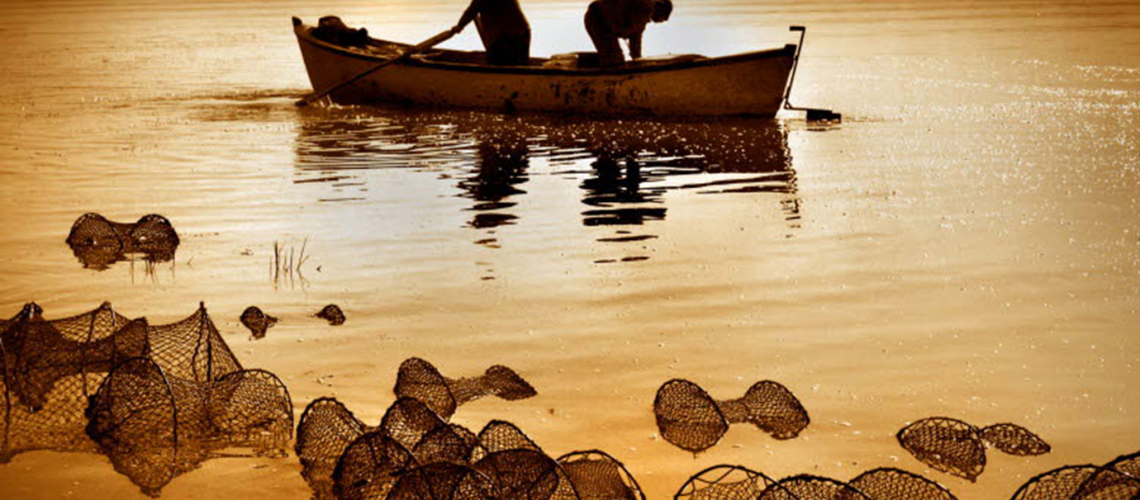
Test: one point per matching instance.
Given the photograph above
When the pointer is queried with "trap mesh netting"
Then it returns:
(426, 400)
(959, 448)
(49, 368)
(733, 482)
(690, 419)
(1116, 480)
(98, 242)
(155, 399)
(420, 380)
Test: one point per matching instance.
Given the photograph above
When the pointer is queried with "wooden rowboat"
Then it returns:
(751, 84)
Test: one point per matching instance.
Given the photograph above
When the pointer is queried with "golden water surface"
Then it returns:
(965, 244)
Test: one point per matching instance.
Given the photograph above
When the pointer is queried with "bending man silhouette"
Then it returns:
(503, 28)
(609, 20)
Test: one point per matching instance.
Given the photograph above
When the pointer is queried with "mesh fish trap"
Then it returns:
(1127, 464)
(50, 368)
(808, 487)
(332, 314)
(160, 416)
(369, 467)
(959, 448)
(420, 380)
(444, 481)
(724, 482)
(500, 435)
(1080, 482)
(325, 430)
(522, 474)
(598, 476)
(690, 419)
(98, 242)
(896, 484)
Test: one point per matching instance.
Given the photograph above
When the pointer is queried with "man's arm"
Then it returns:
(635, 46)
(469, 15)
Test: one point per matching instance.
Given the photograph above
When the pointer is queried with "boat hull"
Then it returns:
(746, 84)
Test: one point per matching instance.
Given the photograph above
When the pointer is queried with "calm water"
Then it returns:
(966, 243)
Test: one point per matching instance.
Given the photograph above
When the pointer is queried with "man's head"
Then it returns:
(661, 10)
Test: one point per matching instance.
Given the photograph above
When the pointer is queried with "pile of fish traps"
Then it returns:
(1116, 480)
(692, 420)
(157, 400)
(415, 453)
(734, 482)
(959, 448)
(98, 242)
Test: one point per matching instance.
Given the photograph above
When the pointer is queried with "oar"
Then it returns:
(416, 49)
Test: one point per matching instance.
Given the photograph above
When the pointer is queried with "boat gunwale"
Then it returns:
(304, 35)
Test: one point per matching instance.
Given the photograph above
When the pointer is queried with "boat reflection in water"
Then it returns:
(625, 168)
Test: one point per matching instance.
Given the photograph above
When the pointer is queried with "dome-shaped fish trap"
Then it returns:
(692, 420)
(598, 476)
(808, 487)
(98, 242)
(724, 482)
(417, 421)
(895, 484)
(959, 448)
(49, 368)
(1080, 482)
(160, 416)
(420, 380)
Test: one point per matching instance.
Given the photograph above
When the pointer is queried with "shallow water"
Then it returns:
(965, 244)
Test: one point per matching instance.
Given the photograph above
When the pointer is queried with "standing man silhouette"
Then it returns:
(609, 20)
(503, 28)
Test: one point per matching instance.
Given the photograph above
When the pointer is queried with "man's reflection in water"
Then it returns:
(500, 166)
(612, 185)
(625, 168)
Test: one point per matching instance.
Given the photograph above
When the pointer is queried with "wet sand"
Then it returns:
(966, 244)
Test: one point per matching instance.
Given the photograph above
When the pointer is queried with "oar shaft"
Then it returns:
(415, 49)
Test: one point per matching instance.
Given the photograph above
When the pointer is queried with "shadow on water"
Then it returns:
(624, 168)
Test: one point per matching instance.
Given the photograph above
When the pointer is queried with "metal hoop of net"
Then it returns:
(724, 482)
(690, 419)
(808, 487)
(420, 380)
(325, 430)
(598, 476)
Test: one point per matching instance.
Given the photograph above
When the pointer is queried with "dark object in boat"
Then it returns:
(332, 29)
(98, 242)
(257, 321)
(690, 419)
(332, 314)
(419, 379)
(959, 448)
